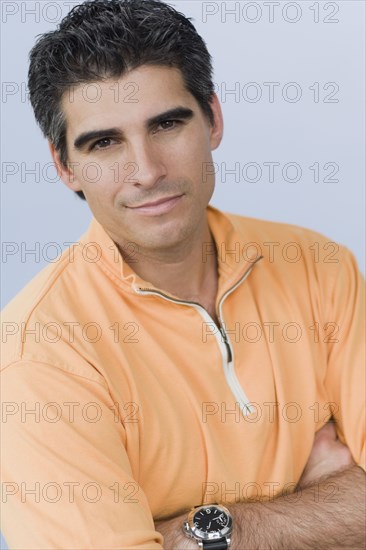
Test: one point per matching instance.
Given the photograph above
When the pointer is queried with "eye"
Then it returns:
(169, 124)
(103, 143)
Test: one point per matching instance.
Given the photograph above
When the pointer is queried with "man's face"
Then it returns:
(125, 150)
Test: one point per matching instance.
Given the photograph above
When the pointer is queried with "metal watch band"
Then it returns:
(219, 544)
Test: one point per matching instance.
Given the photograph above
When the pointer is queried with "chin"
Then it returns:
(164, 237)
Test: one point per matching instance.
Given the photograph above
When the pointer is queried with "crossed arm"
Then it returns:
(327, 510)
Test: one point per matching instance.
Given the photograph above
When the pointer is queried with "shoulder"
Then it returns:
(299, 257)
(31, 321)
(290, 243)
(262, 231)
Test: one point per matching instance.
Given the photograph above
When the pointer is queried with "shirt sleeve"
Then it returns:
(66, 479)
(345, 380)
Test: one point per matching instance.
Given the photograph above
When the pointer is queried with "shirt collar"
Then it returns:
(234, 258)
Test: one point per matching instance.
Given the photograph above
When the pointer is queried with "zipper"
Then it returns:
(223, 342)
(227, 344)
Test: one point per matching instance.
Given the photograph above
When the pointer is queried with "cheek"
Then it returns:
(192, 157)
(97, 177)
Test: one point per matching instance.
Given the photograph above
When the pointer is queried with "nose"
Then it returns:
(145, 166)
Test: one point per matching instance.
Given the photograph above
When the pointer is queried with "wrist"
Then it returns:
(185, 543)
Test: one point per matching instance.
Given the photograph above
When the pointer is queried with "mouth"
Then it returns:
(160, 206)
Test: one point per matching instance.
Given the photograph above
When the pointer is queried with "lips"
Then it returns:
(157, 208)
(156, 203)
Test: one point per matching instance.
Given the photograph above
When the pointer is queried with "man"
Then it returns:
(170, 360)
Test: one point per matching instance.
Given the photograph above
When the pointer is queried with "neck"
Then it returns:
(186, 272)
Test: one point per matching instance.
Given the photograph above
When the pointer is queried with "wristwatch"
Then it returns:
(210, 525)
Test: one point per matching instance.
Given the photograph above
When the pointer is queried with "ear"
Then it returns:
(65, 173)
(217, 130)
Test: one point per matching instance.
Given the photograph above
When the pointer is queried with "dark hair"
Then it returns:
(101, 39)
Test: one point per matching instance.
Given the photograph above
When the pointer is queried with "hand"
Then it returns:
(328, 456)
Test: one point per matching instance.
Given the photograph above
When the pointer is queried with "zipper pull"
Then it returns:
(223, 333)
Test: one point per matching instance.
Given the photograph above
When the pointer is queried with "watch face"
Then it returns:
(211, 519)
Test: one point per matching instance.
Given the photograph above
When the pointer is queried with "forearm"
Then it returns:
(329, 514)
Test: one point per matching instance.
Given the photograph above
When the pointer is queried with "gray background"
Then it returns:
(312, 44)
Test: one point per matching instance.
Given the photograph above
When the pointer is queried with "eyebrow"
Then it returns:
(182, 113)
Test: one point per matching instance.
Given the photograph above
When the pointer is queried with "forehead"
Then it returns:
(129, 100)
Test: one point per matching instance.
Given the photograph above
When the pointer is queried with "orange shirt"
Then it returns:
(122, 403)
